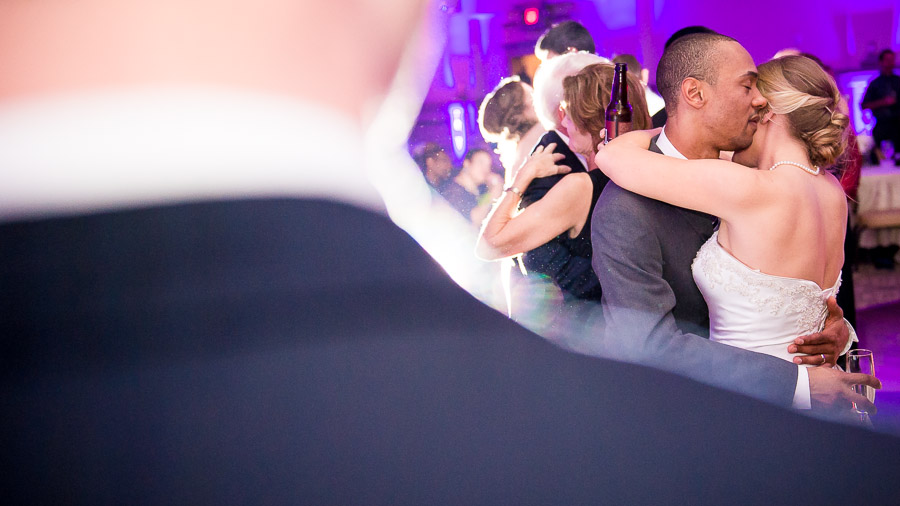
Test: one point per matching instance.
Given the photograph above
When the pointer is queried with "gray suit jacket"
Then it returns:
(643, 250)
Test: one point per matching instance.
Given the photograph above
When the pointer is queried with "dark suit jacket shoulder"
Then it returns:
(540, 186)
(308, 352)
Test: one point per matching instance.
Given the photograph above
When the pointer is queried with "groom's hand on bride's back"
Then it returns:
(832, 390)
(830, 342)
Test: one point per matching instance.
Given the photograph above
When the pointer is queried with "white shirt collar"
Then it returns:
(665, 145)
(89, 152)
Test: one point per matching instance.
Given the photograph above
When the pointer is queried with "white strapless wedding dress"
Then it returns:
(753, 310)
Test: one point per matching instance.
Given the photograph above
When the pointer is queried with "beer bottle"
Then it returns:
(618, 112)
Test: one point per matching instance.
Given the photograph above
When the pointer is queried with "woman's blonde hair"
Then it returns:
(586, 96)
(799, 89)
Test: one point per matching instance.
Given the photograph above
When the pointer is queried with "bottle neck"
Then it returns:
(619, 93)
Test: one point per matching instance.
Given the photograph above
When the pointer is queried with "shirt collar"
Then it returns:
(665, 145)
(132, 148)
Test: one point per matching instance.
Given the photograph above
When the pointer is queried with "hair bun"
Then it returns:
(800, 89)
(826, 144)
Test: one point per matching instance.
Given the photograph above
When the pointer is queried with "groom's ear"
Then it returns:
(694, 92)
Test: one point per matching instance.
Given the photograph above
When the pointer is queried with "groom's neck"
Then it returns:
(689, 139)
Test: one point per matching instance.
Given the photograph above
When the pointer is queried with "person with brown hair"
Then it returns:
(563, 215)
(507, 118)
(776, 258)
(585, 98)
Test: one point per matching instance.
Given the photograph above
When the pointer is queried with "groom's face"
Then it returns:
(735, 101)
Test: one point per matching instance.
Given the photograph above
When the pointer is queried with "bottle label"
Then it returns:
(615, 128)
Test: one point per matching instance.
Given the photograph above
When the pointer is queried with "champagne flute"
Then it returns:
(862, 361)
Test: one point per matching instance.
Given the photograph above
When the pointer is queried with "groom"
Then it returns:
(643, 248)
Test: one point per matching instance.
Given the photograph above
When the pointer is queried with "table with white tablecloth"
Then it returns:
(879, 200)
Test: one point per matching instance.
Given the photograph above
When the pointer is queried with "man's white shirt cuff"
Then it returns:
(801, 393)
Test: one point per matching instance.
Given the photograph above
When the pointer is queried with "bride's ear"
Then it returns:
(767, 117)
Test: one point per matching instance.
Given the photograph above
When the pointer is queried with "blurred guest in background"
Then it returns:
(585, 98)
(883, 98)
(548, 96)
(561, 218)
(507, 118)
(562, 38)
(435, 164)
(472, 191)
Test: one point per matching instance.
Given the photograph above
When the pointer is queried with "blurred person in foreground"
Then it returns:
(201, 304)
(563, 215)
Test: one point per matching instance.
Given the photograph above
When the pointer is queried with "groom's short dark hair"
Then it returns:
(690, 56)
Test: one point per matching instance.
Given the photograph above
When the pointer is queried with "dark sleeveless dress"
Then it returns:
(567, 260)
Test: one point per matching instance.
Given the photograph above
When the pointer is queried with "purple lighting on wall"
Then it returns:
(457, 128)
(617, 14)
(447, 70)
(851, 37)
(854, 84)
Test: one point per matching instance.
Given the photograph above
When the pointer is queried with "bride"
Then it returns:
(777, 256)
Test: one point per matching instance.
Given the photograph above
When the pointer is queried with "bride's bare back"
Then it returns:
(800, 235)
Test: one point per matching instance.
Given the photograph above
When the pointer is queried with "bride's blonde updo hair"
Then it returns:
(799, 89)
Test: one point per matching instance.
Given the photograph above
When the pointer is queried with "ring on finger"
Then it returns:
(823, 358)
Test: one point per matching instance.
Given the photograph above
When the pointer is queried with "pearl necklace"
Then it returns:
(795, 164)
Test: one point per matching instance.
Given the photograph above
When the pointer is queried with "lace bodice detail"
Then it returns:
(753, 310)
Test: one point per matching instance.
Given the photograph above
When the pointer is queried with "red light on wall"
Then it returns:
(531, 15)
